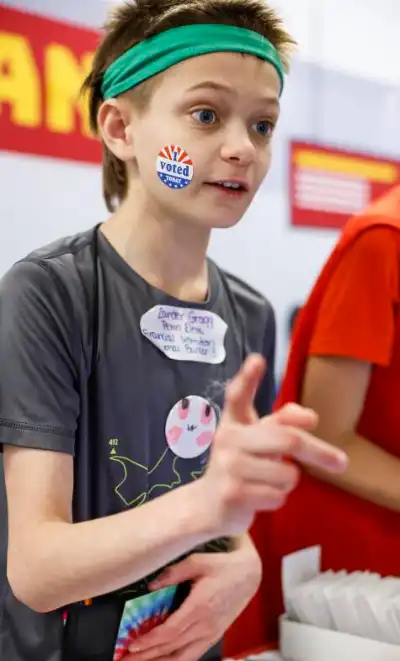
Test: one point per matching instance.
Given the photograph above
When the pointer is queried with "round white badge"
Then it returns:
(191, 426)
(174, 167)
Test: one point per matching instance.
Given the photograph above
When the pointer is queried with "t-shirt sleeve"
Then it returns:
(39, 399)
(357, 316)
(266, 393)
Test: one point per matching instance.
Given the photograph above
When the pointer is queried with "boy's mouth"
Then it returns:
(230, 185)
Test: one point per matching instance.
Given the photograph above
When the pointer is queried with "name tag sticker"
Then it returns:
(186, 333)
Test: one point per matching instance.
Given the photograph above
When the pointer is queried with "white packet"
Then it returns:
(342, 603)
(378, 599)
(367, 625)
(320, 615)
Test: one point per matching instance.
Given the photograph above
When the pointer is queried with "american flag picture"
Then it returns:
(328, 185)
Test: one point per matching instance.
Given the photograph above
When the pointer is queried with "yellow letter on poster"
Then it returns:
(20, 84)
(64, 77)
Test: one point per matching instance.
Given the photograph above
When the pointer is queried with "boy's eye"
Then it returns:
(264, 128)
(205, 116)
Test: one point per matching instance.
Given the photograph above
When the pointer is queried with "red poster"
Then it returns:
(43, 63)
(328, 185)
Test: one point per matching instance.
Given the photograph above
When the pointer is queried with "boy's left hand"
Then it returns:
(222, 586)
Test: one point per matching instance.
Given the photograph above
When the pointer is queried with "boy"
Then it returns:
(345, 363)
(115, 348)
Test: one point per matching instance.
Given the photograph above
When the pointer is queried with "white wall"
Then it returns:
(341, 42)
(357, 37)
(43, 199)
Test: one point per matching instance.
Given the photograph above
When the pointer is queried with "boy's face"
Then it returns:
(221, 109)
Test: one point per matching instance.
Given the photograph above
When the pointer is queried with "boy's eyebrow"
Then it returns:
(220, 87)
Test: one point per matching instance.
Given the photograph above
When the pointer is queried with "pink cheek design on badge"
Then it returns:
(183, 409)
(174, 434)
(207, 414)
(205, 439)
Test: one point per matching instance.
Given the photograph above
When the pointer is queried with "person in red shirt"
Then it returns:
(344, 363)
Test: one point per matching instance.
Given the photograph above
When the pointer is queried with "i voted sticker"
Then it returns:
(174, 167)
(186, 333)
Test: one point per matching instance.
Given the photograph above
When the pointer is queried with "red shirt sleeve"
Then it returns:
(357, 314)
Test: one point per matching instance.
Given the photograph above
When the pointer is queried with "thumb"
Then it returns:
(295, 415)
(187, 570)
(240, 392)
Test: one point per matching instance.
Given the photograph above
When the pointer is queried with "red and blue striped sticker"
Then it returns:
(174, 167)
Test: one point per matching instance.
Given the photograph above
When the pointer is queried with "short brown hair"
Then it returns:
(133, 21)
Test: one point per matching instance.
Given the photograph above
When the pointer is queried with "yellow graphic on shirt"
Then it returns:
(176, 480)
(189, 430)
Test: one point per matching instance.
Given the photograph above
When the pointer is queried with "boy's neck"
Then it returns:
(169, 256)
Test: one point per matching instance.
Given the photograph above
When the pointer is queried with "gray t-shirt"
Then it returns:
(88, 367)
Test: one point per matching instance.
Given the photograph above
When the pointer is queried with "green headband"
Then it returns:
(156, 54)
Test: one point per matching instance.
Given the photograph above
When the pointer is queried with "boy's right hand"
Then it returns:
(246, 472)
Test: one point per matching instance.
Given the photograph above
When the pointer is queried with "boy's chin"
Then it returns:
(207, 217)
(222, 219)
(208, 223)
(223, 223)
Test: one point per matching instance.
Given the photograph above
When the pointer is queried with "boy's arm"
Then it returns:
(52, 562)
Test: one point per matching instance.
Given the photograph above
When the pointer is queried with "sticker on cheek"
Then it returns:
(174, 167)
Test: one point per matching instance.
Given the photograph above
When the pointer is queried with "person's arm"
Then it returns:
(354, 332)
(53, 562)
(263, 403)
(246, 547)
(336, 389)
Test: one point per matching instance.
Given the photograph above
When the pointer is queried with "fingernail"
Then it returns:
(341, 460)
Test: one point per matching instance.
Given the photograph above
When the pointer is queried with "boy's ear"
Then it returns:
(114, 121)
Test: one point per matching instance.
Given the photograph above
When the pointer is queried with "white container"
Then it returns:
(305, 642)
(302, 642)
